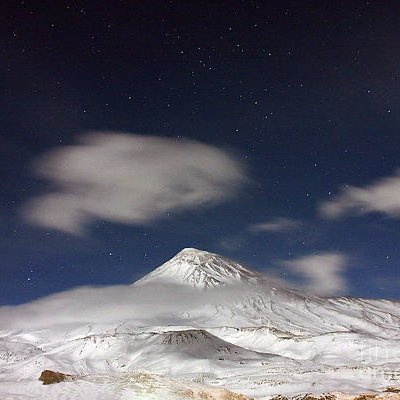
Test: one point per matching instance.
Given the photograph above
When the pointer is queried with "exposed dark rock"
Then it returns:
(393, 389)
(48, 377)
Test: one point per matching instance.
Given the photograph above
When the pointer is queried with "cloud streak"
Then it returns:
(129, 179)
(322, 274)
(277, 224)
(142, 305)
(382, 196)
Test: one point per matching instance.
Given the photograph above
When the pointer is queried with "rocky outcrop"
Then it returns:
(212, 394)
(393, 389)
(154, 383)
(48, 377)
(390, 393)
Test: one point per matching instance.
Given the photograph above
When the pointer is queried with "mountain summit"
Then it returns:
(201, 269)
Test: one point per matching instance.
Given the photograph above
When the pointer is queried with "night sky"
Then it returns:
(265, 131)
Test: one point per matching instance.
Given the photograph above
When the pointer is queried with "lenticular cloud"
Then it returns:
(130, 179)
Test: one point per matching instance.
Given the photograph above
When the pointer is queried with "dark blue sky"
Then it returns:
(302, 96)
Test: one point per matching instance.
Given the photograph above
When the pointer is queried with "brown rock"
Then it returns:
(366, 396)
(233, 396)
(48, 377)
(212, 394)
(393, 389)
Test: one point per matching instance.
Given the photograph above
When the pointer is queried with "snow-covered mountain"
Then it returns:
(201, 269)
(200, 319)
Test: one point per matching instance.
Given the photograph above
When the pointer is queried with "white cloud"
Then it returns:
(277, 224)
(130, 179)
(381, 196)
(323, 274)
(103, 305)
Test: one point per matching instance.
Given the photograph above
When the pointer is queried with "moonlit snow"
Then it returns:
(198, 323)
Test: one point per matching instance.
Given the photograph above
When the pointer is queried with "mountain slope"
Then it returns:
(205, 318)
(200, 269)
(235, 296)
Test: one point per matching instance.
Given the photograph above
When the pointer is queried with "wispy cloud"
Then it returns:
(130, 179)
(382, 196)
(277, 224)
(106, 304)
(322, 274)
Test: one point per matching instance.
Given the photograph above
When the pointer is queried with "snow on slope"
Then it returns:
(200, 269)
(201, 317)
(129, 386)
(263, 301)
(176, 353)
(333, 348)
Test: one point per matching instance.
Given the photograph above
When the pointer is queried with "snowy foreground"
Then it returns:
(198, 326)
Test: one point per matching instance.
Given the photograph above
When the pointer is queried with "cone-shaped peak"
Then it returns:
(192, 252)
(201, 269)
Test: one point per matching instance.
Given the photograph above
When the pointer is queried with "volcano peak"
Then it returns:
(199, 268)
